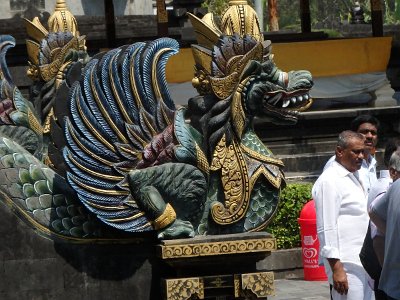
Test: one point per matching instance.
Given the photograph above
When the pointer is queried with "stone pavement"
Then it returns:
(291, 289)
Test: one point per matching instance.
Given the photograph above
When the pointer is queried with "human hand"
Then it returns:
(340, 283)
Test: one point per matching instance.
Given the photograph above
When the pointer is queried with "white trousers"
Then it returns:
(359, 285)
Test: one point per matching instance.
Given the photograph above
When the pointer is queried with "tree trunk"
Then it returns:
(273, 15)
(305, 16)
(162, 19)
(110, 23)
(376, 17)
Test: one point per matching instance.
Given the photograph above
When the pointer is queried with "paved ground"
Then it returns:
(290, 289)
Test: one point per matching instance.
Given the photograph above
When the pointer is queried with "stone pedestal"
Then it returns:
(217, 267)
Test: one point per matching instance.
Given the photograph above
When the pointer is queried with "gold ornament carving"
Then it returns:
(209, 19)
(184, 288)
(202, 162)
(47, 121)
(236, 285)
(219, 155)
(260, 157)
(166, 218)
(60, 21)
(224, 87)
(34, 123)
(49, 71)
(201, 83)
(173, 251)
(235, 182)
(202, 57)
(206, 34)
(260, 284)
(274, 180)
(241, 18)
(237, 112)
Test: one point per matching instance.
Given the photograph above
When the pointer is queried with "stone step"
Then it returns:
(305, 146)
(312, 163)
(306, 167)
(301, 177)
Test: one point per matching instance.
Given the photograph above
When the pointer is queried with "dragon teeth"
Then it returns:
(293, 100)
(286, 103)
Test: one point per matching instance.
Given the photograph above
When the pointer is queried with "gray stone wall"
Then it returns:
(79, 8)
(33, 267)
(93, 27)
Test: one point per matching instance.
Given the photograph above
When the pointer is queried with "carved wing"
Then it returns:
(17, 115)
(121, 102)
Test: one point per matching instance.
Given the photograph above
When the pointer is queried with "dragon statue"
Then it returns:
(99, 151)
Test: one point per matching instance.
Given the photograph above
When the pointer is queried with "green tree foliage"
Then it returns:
(325, 14)
(285, 226)
(216, 6)
(391, 11)
(397, 10)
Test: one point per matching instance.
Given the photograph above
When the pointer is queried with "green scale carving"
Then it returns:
(100, 151)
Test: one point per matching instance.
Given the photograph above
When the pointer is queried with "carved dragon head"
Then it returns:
(52, 53)
(235, 64)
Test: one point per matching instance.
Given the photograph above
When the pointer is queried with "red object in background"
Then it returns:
(310, 243)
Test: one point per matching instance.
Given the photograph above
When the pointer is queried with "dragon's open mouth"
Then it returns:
(298, 100)
(287, 105)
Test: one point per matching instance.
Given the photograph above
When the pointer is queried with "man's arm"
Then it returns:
(377, 212)
(340, 283)
(327, 203)
(379, 222)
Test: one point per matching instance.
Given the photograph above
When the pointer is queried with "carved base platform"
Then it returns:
(217, 267)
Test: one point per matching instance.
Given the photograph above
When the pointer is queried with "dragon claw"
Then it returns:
(177, 230)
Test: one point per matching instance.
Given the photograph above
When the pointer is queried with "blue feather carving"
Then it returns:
(94, 144)
(114, 115)
(107, 69)
(130, 99)
(136, 72)
(87, 172)
(150, 55)
(147, 124)
(87, 94)
(165, 115)
(136, 136)
(161, 65)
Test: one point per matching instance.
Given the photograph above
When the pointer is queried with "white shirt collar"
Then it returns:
(342, 171)
(384, 174)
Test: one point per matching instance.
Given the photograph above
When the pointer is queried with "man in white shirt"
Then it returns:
(342, 219)
(372, 254)
(380, 187)
(368, 126)
(385, 214)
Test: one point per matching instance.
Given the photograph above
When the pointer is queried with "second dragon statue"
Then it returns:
(100, 147)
